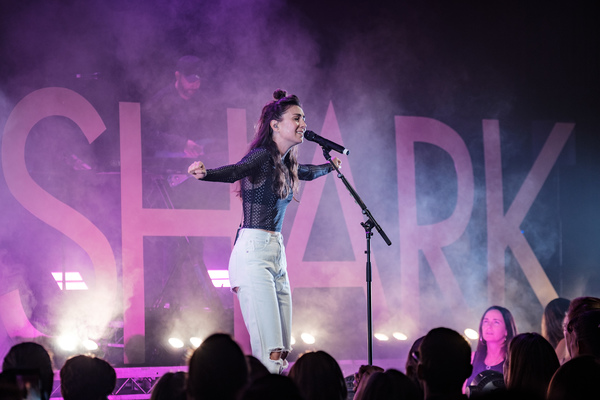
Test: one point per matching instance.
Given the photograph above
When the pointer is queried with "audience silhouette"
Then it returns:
(444, 364)
(319, 377)
(531, 361)
(217, 369)
(389, 385)
(170, 386)
(31, 356)
(87, 378)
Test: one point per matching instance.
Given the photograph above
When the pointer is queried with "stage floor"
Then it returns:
(137, 382)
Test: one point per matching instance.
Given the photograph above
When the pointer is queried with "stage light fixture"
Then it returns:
(176, 343)
(471, 334)
(67, 342)
(308, 338)
(195, 341)
(400, 336)
(382, 337)
(90, 345)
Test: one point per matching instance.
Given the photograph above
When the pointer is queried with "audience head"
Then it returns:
(577, 379)
(444, 363)
(272, 387)
(217, 369)
(32, 356)
(582, 334)
(530, 363)
(361, 377)
(498, 325)
(389, 385)
(170, 386)
(411, 363)
(256, 369)
(552, 320)
(318, 376)
(87, 378)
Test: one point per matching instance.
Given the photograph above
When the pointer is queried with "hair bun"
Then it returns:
(279, 94)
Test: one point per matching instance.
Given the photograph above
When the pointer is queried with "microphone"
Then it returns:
(313, 137)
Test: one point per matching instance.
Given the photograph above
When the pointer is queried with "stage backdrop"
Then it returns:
(475, 151)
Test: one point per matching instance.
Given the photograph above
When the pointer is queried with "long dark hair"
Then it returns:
(511, 331)
(284, 182)
(552, 321)
(319, 377)
(530, 364)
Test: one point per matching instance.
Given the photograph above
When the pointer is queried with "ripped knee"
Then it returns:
(278, 354)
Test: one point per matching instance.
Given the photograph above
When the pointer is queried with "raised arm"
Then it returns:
(252, 162)
(308, 172)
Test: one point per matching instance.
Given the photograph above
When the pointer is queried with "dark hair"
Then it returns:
(274, 110)
(318, 376)
(582, 322)
(412, 360)
(580, 306)
(389, 385)
(87, 377)
(272, 387)
(30, 355)
(511, 331)
(552, 321)
(575, 379)
(445, 361)
(217, 369)
(170, 386)
(530, 363)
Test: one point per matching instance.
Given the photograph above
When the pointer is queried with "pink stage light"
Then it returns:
(219, 277)
(73, 281)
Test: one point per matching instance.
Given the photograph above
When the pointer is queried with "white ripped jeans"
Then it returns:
(258, 274)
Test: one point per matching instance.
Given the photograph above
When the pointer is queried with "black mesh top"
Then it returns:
(263, 209)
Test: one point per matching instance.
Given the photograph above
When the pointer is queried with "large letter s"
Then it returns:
(28, 112)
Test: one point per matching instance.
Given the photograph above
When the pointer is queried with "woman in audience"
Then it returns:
(319, 377)
(552, 320)
(530, 363)
(553, 324)
(496, 330)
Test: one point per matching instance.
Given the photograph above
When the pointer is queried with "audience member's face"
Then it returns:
(570, 339)
(186, 88)
(493, 328)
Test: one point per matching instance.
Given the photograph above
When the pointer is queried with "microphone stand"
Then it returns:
(368, 225)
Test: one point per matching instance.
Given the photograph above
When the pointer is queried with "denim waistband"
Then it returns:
(259, 234)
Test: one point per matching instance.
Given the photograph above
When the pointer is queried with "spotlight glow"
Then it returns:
(176, 342)
(196, 342)
(67, 342)
(293, 340)
(382, 336)
(400, 336)
(90, 345)
(308, 338)
(471, 334)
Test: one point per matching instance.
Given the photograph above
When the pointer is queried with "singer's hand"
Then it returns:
(337, 162)
(197, 169)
